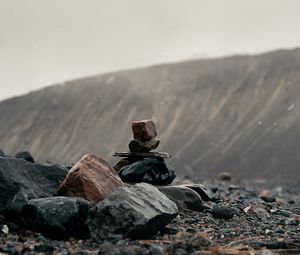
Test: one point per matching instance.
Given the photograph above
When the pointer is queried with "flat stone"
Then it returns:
(152, 154)
(57, 217)
(91, 178)
(184, 197)
(138, 146)
(144, 130)
(136, 212)
(151, 170)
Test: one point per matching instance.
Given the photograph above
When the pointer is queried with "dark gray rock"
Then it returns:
(205, 194)
(185, 198)
(57, 217)
(150, 170)
(2, 154)
(21, 181)
(269, 199)
(136, 211)
(139, 146)
(125, 162)
(26, 155)
(222, 212)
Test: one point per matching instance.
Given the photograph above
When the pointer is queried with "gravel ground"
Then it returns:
(243, 223)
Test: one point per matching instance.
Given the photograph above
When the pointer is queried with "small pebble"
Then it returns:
(222, 212)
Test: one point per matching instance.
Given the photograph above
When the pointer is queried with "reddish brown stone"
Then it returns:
(91, 178)
(138, 146)
(144, 130)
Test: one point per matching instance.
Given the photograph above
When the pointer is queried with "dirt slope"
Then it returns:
(239, 114)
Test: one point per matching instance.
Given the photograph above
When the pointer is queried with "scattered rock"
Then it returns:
(144, 130)
(285, 213)
(4, 229)
(205, 194)
(2, 154)
(266, 195)
(222, 212)
(184, 197)
(57, 217)
(156, 250)
(139, 146)
(26, 155)
(91, 178)
(136, 211)
(296, 217)
(225, 176)
(281, 202)
(258, 211)
(21, 181)
(187, 243)
(151, 170)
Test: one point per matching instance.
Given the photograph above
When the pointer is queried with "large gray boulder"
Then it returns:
(21, 181)
(57, 217)
(184, 197)
(136, 211)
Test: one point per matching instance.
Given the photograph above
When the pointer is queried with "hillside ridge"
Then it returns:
(238, 114)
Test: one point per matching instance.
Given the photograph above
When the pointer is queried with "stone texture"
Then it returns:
(26, 155)
(222, 212)
(2, 154)
(138, 146)
(124, 162)
(151, 170)
(57, 217)
(204, 193)
(185, 198)
(225, 176)
(91, 178)
(144, 130)
(136, 211)
(21, 181)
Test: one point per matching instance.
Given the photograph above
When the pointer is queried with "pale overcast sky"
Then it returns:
(43, 42)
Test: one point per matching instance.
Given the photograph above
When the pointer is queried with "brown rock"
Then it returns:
(144, 130)
(138, 146)
(91, 178)
(296, 217)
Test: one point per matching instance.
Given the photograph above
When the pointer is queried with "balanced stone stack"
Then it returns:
(144, 134)
(141, 164)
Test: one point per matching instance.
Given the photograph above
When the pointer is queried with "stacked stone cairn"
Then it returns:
(140, 164)
(93, 200)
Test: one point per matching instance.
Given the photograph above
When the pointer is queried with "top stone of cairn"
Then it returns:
(144, 130)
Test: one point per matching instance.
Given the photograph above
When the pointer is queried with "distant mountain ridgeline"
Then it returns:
(238, 114)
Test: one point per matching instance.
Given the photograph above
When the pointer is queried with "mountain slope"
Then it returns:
(239, 114)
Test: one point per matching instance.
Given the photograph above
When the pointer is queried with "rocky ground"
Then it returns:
(257, 217)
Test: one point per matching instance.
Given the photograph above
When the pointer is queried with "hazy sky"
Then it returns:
(43, 42)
